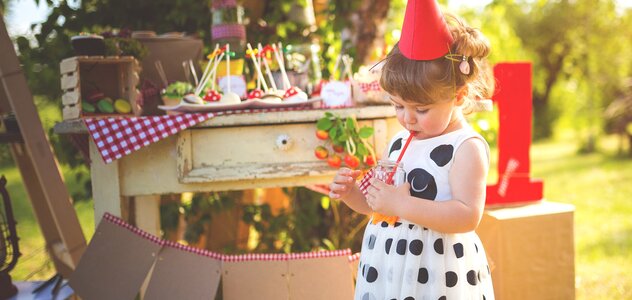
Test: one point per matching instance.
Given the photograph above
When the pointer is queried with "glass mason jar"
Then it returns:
(390, 172)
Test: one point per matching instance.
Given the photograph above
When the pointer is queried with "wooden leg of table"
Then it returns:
(147, 213)
(147, 217)
(106, 187)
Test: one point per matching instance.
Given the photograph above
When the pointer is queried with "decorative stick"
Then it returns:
(211, 74)
(257, 68)
(265, 64)
(228, 67)
(214, 71)
(280, 46)
(187, 73)
(206, 73)
(258, 60)
(286, 80)
(195, 78)
(161, 73)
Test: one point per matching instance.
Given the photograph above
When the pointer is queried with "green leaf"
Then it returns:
(324, 124)
(366, 132)
(361, 150)
(342, 138)
(328, 114)
(333, 133)
(350, 124)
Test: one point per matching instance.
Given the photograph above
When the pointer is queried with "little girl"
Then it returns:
(431, 252)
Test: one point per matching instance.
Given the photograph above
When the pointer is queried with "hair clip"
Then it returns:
(464, 66)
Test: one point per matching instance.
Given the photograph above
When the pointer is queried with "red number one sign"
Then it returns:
(513, 99)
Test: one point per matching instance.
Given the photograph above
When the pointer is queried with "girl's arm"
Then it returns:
(356, 201)
(468, 177)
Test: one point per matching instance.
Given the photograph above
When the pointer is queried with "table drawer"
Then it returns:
(255, 152)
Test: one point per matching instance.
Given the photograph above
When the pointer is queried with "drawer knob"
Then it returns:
(284, 142)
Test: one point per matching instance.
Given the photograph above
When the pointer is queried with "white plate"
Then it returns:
(258, 103)
(248, 104)
(192, 108)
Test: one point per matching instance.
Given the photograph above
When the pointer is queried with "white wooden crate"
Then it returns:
(116, 77)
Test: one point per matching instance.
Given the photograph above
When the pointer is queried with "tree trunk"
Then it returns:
(369, 25)
(543, 115)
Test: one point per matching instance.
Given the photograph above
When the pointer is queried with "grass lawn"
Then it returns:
(597, 184)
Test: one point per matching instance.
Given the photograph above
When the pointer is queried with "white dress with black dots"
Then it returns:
(407, 261)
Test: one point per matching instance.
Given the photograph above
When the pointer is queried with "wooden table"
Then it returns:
(235, 152)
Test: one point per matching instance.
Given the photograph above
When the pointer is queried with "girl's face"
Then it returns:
(427, 120)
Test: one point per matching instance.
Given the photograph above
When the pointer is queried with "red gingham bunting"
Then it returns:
(120, 136)
(226, 257)
(371, 86)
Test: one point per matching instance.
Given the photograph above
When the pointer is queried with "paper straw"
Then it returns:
(286, 80)
(389, 180)
(265, 64)
(257, 68)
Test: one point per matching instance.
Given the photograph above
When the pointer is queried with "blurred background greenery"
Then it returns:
(581, 53)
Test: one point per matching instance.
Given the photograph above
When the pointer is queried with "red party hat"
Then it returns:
(425, 34)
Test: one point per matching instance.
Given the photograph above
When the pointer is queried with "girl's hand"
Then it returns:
(384, 198)
(343, 182)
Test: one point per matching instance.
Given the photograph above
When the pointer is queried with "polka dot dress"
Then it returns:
(406, 261)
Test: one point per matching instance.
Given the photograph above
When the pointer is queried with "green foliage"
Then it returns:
(117, 46)
(345, 132)
(576, 46)
(313, 222)
(198, 212)
(178, 89)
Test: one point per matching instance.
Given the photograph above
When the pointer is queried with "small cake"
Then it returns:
(294, 94)
(192, 99)
(255, 94)
(230, 98)
(272, 97)
(212, 96)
